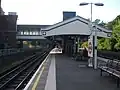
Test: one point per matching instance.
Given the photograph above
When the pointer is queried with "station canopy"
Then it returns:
(74, 26)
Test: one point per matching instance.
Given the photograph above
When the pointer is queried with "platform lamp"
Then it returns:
(95, 40)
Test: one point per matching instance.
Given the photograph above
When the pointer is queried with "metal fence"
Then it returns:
(4, 52)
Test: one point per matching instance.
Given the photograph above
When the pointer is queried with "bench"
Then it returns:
(113, 68)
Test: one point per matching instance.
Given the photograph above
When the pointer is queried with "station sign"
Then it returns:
(43, 33)
(109, 34)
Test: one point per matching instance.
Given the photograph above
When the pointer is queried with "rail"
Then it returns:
(17, 78)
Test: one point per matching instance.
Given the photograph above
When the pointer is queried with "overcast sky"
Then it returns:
(50, 11)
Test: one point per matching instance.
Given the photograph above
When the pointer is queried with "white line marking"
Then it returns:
(38, 78)
(51, 78)
(31, 80)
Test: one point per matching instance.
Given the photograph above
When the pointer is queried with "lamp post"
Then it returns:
(95, 36)
(0, 7)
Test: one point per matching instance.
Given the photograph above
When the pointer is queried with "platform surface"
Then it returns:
(63, 73)
(74, 75)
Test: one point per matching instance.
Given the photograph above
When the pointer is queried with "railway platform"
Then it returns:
(60, 72)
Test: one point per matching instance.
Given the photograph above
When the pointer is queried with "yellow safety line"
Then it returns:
(37, 80)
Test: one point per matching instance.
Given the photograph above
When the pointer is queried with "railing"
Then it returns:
(4, 52)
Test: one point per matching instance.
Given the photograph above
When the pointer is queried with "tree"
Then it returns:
(115, 27)
(116, 34)
(114, 42)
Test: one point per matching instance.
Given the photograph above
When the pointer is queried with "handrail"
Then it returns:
(4, 52)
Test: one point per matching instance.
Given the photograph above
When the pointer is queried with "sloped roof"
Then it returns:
(81, 19)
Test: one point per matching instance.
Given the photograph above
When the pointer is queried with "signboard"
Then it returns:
(43, 32)
(90, 46)
(109, 34)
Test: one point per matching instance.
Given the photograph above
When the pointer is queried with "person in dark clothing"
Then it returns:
(85, 53)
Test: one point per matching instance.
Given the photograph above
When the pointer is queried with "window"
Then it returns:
(30, 33)
(21, 33)
(33, 33)
(24, 33)
(27, 33)
(36, 33)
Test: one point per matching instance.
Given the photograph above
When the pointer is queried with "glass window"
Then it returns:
(27, 33)
(40, 33)
(30, 33)
(21, 32)
(36, 33)
(33, 33)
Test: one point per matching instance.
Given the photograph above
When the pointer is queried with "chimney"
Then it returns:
(68, 15)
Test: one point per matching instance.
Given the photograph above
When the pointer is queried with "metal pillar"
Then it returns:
(21, 44)
(95, 50)
(62, 46)
(90, 60)
(28, 32)
(94, 42)
(78, 39)
(23, 33)
(91, 11)
(0, 8)
(75, 45)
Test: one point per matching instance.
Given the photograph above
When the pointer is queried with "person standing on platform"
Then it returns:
(85, 53)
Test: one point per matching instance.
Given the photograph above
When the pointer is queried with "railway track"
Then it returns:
(10, 69)
(17, 78)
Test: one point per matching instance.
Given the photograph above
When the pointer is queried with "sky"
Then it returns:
(48, 12)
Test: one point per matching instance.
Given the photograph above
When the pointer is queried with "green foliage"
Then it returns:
(116, 35)
(104, 44)
(114, 42)
(33, 43)
(101, 43)
(84, 44)
(107, 45)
